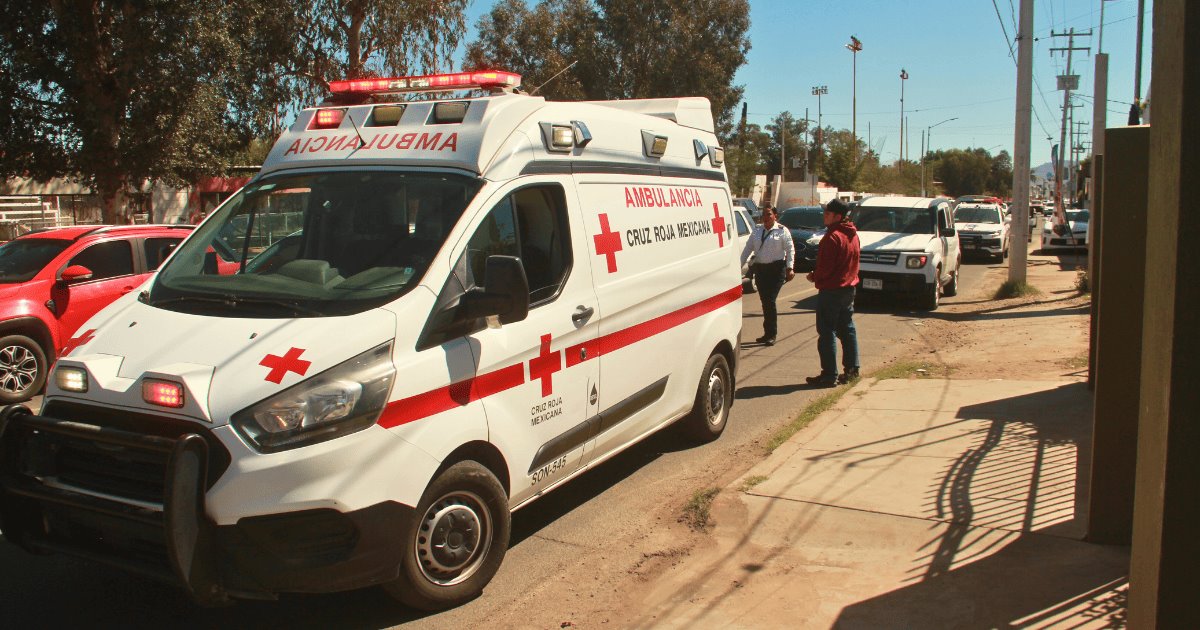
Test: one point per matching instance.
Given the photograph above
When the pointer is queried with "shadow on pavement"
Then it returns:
(1015, 506)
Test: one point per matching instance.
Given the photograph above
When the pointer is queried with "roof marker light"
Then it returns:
(559, 137)
(653, 145)
(716, 156)
(428, 83)
(328, 118)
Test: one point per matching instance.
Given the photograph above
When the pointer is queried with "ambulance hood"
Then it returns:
(894, 241)
(225, 364)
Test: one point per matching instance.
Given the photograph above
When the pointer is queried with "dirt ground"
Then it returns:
(973, 336)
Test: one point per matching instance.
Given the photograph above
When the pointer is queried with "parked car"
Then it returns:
(982, 229)
(807, 228)
(52, 281)
(909, 248)
(750, 206)
(745, 227)
(1071, 235)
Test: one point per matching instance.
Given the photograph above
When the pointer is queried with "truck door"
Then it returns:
(542, 426)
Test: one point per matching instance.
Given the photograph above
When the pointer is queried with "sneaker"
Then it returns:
(824, 380)
(847, 376)
(766, 341)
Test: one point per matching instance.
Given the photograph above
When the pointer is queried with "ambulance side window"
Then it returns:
(544, 238)
(496, 236)
(531, 224)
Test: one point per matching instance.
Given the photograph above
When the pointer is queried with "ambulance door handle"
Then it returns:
(582, 314)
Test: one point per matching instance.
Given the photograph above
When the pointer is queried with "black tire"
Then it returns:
(951, 289)
(23, 369)
(465, 503)
(933, 293)
(714, 397)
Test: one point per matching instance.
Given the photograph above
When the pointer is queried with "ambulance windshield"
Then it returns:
(314, 245)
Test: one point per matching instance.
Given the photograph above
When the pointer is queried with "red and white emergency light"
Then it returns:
(487, 79)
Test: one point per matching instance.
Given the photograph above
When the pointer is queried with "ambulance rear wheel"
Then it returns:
(714, 397)
(457, 542)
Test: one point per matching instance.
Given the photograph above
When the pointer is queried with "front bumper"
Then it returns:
(913, 284)
(975, 244)
(134, 497)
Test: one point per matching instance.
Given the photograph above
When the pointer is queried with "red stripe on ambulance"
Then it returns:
(470, 390)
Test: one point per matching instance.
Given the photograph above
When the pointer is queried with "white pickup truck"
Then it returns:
(909, 248)
(982, 229)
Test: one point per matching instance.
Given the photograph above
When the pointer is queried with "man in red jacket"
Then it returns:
(836, 275)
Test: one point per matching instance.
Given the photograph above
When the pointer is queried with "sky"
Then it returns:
(956, 54)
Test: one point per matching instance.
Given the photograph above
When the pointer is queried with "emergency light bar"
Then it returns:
(428, 83)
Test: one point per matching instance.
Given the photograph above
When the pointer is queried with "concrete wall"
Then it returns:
(1166, 548)
(1122, 255)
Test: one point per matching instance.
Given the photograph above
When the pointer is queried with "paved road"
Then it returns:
(552, 539)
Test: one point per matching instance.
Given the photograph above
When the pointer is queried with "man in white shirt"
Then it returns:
(774, 254)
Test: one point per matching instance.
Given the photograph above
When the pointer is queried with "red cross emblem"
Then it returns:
(280, 366)
(75, 342)
(719, 225)
(608, 243)
(545, 365)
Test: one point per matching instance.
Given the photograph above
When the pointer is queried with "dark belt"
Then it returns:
(773, 263)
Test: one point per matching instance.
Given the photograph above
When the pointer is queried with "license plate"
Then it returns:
(872, 283)
(968, 245)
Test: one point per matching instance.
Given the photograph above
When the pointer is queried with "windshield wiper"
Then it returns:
(233, 302)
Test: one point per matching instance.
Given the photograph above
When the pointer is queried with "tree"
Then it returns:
(841, 165)
(1001, 178)
(621, 49)
(114, 93)
(965, 172)
(794, 139)
(117, 93)
(743, 158)
(349, 39)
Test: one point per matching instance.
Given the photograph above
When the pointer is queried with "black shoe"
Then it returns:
(766, 341)
(824, 380)
(847, 376)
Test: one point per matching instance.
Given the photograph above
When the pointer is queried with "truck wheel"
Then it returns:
(457, 542)
(22, 369)
(714, 397)
(933, 293)
(951, 289)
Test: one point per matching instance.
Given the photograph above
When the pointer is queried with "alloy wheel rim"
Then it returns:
(18, 369)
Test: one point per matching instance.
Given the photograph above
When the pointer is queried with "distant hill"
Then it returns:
(1045, 171)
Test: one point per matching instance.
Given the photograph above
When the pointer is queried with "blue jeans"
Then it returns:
(835, 319)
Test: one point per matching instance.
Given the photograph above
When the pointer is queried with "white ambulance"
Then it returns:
(419, 316)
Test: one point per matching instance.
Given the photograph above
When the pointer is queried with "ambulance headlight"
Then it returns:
(341, 400)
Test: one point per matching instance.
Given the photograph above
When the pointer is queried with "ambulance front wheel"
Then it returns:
(714, 397)
(457, 542)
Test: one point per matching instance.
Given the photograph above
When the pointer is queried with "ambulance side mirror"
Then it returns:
(504, 295)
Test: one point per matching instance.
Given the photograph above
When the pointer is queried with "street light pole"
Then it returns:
(854, 47)
(903, 78)
(819, 135)
(928, 148)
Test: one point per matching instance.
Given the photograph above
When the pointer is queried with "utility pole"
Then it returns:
(809, 174)
(741, 146)
(1066, 83)
(1135, 110)
(1017, 260)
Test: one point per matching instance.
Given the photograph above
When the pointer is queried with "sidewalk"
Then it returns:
(920, 502)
